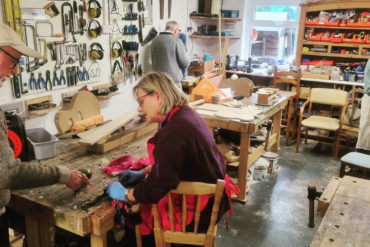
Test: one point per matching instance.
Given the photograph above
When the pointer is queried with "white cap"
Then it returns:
(10, 38)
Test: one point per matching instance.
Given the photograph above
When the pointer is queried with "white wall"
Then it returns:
(124, 102)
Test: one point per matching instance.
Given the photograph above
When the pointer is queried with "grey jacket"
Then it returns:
(169, 56)
(367, 78)
(15, 174)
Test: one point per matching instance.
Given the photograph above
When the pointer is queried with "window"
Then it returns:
(271, 29)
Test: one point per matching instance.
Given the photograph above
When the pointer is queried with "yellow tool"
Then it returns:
(13, 17)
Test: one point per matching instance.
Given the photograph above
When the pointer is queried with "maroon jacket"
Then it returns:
(184, 151)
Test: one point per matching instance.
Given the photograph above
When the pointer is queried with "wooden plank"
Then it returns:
(327, 196)
(94, 135)
(123, 138)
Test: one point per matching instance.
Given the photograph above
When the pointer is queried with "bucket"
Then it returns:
(260, 169)
(272, 158)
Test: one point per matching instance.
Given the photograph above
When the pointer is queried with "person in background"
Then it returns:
(169, 54)
(363, 141)
(15, 174)
(184, 148)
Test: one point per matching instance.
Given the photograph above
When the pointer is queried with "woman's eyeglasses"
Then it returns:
(140, 99)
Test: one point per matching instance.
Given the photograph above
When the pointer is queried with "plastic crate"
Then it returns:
(43, 143)
(328, 23)
(312, 23)
(315, 37)
(336, 39)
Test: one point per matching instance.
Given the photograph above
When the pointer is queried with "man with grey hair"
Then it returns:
(169, 54)
(15, 174)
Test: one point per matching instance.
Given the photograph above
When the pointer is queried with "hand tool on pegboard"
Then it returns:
(169, 8)
(44, 57)
(13, 17)
(51, 10)
(161, 9)
(33, 64)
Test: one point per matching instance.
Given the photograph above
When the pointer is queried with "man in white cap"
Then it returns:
(15, 174)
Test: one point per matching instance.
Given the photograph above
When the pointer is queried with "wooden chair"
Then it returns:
(166, 237)
(347, 130)
(292, 83)
(323, 96)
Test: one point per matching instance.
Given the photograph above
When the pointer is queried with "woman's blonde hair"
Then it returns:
(162, 83)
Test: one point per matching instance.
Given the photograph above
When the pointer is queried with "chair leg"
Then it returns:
(336, 144)
(288, 122)
(305, 136)
(342, 169)
(298, 137)
(295, 109)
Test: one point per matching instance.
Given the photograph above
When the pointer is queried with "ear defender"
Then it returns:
(96, 51)
(94, 11)
(96, 31)
(116, 52)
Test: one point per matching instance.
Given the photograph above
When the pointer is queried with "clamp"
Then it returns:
(32, 80)
(40, 80)
(48, 81)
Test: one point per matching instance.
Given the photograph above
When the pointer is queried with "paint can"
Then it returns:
(272, 158)
(215, 99)
(260, 169)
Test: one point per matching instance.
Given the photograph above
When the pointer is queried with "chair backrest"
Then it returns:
(329, 96)
(291, 79)
(197, 189)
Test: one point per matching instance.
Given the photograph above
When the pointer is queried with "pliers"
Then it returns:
(48, 81)
(39, 80)
(56, 81)
(62, 78)
(32, 80)
(83, 75)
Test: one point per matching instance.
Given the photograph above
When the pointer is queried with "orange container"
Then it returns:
(336, 39)
(315, 36)
(367, 39)
(325, 39)
(312, 23)
(354, 40)
(327, 23)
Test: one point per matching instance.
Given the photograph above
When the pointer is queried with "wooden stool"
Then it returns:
(355, 160)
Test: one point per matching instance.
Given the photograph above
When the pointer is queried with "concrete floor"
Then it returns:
(276, 213)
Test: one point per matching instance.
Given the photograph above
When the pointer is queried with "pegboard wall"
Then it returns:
(69, 35)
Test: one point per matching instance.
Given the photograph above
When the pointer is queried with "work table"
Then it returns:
(88, 211)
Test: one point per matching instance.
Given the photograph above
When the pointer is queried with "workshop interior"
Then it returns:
(283, 86)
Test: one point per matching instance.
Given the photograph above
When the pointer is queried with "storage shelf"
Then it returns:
(338, 27)
(212, 37)
(323, 54)
(226, 19)
(335, 44)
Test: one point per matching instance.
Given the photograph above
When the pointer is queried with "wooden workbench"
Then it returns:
(246, 129)
(347, 219)
(87, 212)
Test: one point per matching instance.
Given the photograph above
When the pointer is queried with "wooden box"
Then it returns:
(265, 99)
(315, 76)
(122, 138)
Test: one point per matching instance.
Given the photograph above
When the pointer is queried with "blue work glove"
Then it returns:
(130, 177)
(116, 191)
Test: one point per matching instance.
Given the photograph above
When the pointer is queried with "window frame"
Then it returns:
(249, 22)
